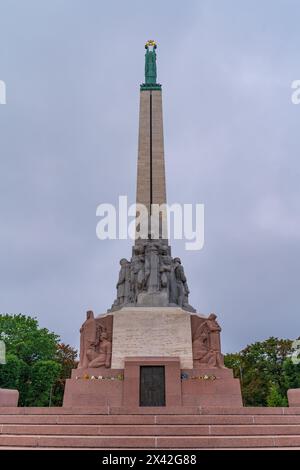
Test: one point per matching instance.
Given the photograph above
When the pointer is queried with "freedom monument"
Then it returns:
(151, 348)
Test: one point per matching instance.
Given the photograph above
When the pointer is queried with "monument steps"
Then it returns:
(153, 411)
(150, 442)
(209, 428)
(149, 420)
(149, 430)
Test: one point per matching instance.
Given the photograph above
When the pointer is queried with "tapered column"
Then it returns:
(151, 183)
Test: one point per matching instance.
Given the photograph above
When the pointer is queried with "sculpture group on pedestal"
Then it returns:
(152, 271)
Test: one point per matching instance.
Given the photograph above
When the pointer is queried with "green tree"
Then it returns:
(259, 365)
(36, 363)
(25, 339)
(234, 361)
(291, 374)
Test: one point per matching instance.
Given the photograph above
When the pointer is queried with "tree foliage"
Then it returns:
(266, 372)
(66, 357)
(24, 338)
(14, 373)
(36, 363)
(274, 397)
(43, 376)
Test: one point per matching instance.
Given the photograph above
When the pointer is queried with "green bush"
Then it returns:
(275, 398)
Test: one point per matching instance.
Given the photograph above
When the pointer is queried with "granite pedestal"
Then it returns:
(149, 336)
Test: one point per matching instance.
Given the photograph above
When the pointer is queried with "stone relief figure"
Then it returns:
(99, 352)
(87, 338)
(215, 331)
(95, 341)
(206, 342)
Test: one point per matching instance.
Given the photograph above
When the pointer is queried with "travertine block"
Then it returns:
(152, 331)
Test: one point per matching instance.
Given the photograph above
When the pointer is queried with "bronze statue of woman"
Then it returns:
(150, 65)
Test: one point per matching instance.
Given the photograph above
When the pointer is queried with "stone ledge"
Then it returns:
(294, 397)
(9, 397)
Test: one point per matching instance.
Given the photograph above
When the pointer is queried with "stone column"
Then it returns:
(151, 184)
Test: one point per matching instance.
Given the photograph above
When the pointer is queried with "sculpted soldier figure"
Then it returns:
(165, 269)
(123, 285)
(152, 266)
(165, 266)
(152, 270)
(182, 288)
(137, 271)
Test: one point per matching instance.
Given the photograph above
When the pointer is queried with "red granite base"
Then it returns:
(184, 388)
(211, 387)
(9, 397)
(86, 389)
(294, 396)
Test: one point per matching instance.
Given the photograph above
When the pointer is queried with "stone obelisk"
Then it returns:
(151, 181)
(152, 278)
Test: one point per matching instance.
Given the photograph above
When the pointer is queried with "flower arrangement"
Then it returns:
(100, 377)
(185, 376)
(203, 377)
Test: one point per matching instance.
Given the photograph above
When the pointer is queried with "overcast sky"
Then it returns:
(68, 142)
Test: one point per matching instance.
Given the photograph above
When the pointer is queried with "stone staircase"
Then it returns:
(149, 428)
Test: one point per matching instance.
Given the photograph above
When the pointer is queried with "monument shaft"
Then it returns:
(151, 180)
